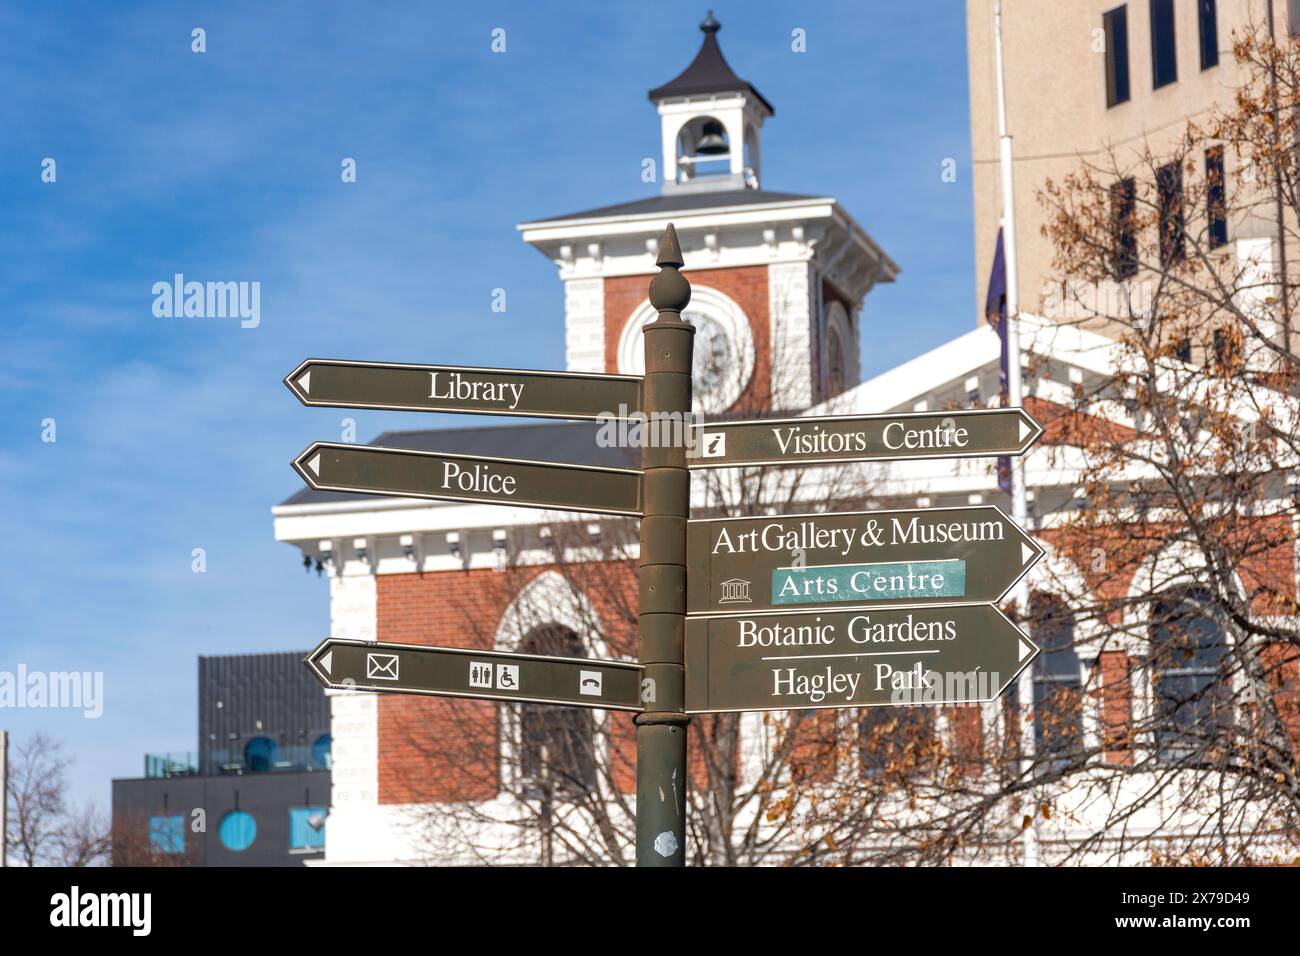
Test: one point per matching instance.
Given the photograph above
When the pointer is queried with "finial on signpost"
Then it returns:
(669, 290)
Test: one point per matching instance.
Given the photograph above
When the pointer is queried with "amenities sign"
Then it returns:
(419, 474)
(940, 555)
(958, 654)
(843, 438)
(462, 672)
(453, 388)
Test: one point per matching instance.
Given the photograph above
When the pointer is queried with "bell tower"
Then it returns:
(711, 122)
(777, 278)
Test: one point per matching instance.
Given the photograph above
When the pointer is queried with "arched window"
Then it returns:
(259, 754)
(1191, 698)
(703, 149)
(836, 376)
(1058, 683)
(557, 744)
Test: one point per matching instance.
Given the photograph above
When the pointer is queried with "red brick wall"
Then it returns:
(1281, 664)
(746, 285)
(1116, 706)
(440, 749)
(815, 748)
(966, 738)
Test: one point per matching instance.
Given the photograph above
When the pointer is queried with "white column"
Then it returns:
(789, 304)
(584, 325)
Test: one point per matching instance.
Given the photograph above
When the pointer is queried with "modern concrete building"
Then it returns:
(1085, 77)
(256, 791)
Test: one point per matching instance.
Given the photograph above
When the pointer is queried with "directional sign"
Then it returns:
(842, 438)
(489, 675)
(956, 654)
(931, 556)
(370, 470)
(339, 383)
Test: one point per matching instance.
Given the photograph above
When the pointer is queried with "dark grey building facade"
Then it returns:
(256, 792)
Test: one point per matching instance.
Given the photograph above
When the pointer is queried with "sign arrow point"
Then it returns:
(326, 661)
(1025, 649)
(1027, 553)
(1024, 430)
(304, 381)
(314, 464)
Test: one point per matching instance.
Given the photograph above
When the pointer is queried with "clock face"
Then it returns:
(723, 349)
(715, 359)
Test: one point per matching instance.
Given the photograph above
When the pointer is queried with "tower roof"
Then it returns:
(708, 73)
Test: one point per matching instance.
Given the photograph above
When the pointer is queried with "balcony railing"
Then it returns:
(259, 754)
(171, 764)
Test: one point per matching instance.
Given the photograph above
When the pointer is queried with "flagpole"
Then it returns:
(1015, 395)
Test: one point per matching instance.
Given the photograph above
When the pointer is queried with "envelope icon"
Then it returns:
(381, 666)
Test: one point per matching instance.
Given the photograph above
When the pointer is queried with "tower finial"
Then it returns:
(710, 25)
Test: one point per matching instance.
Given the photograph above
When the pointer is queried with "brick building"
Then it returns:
(778, 286)
(779, 282)
(256, 791)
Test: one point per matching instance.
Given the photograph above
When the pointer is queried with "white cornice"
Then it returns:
(622, 241)
(653, 223)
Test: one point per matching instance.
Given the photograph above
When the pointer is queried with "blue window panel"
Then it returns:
(320, 752)
(238, 830)
(259, 754)
(167, 834)
(306, 828)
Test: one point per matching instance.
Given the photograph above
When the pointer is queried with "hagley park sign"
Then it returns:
(778, 612)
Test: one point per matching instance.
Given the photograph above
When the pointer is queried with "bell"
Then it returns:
(713, 142)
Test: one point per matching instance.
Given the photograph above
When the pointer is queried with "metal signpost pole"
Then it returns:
(666, 489)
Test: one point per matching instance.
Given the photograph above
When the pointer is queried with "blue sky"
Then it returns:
(175, 434)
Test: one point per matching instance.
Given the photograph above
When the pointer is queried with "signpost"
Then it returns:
(939, 556)
(795, 611)
(328, 466)
(844, 438)
(464, 672)
(958, 654)
(339, 383)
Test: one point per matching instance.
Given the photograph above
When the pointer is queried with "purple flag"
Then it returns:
(995, 311)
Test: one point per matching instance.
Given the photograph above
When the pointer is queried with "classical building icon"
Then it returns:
(735, 591)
